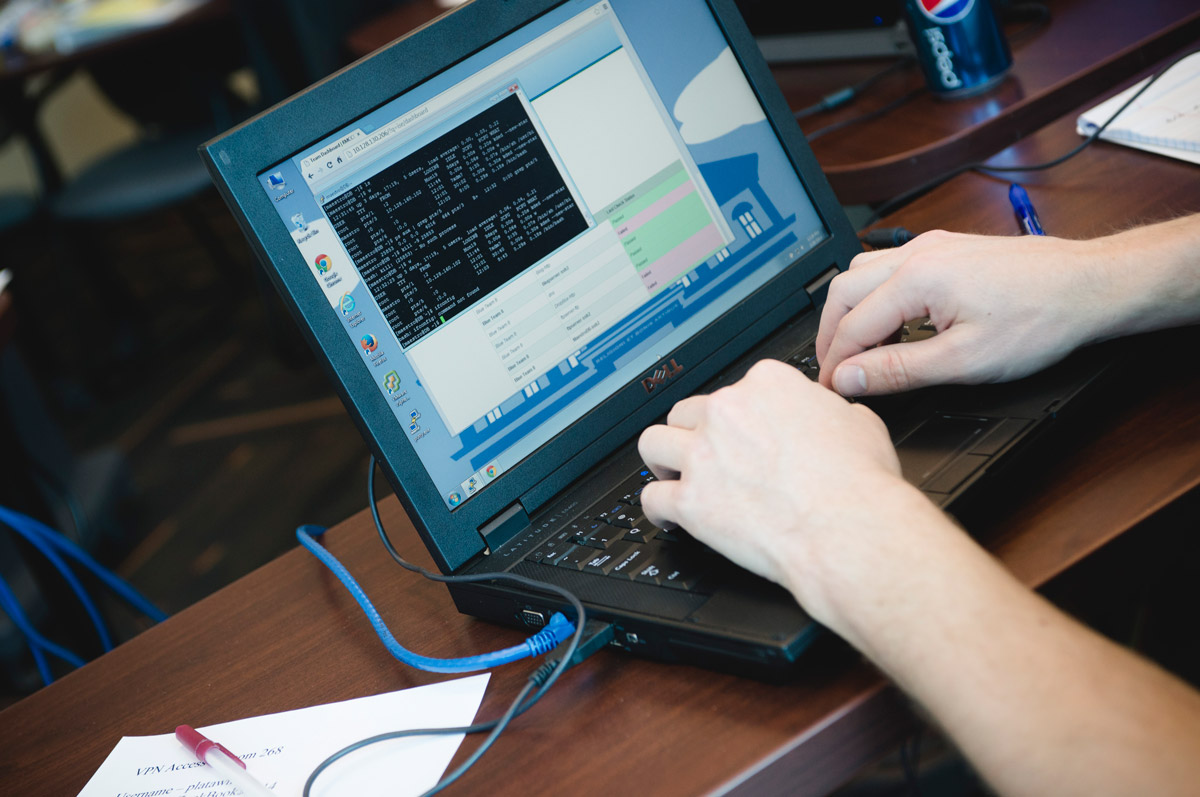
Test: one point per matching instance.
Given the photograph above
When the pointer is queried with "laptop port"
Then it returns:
(533, 619)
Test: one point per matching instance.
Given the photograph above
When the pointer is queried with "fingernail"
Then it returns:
(850, 380)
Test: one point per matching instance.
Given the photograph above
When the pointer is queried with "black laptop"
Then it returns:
(516, 237)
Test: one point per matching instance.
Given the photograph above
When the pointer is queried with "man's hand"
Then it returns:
(784, 478)
(1003, 308)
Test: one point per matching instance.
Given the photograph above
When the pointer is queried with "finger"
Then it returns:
(871, 322)
(863, 258)
(686, 414)
(663, 449)
(905, 366)
(660, 502)
(846, 292)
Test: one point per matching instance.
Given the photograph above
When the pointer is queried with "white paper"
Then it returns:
(281, 750)
(1164, 120)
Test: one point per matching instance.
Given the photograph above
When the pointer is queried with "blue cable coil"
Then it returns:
(51, 544)
(38, 644)
(557, 631)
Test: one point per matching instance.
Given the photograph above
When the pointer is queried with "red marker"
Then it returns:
(224, 762)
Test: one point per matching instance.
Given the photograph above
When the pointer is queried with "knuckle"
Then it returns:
(838, 286)
(935, 236)
(762, 370)
(920, 262)
(724, 404)
(893, 369)
(872, 417)
(646, 439)
(956, 356)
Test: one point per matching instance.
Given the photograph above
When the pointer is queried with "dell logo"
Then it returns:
(664, 373)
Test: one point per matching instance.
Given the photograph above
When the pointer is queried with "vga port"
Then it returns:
(533, 619)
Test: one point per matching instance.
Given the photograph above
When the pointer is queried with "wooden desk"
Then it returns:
(288, 636)
(1088, 46)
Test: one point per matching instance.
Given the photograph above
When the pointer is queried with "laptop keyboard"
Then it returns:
(805, 360)
(614, 539)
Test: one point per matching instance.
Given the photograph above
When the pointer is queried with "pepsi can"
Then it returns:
(959, 44)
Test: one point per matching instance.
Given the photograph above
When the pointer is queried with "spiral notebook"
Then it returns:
(1165, 120)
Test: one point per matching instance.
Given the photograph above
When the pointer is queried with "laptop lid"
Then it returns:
(521, 233)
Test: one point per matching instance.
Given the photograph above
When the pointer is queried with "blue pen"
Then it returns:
(1024, 210)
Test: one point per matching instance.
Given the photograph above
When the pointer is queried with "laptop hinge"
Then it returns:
(504, 526)
(818, 286)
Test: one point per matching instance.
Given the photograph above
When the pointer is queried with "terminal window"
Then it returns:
(448, 224)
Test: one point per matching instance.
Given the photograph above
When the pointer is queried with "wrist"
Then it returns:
(1141, 280)
(852, 557)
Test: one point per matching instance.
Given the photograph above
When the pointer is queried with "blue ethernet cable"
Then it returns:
(38, 644)
(22, 525)
(122, 588)
(557, 631)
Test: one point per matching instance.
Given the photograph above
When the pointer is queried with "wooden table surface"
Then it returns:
(288, 636)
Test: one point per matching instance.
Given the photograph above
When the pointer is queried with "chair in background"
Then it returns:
(175, 87)
(302, 40)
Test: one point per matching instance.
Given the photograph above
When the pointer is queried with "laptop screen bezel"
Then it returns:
(236, 158)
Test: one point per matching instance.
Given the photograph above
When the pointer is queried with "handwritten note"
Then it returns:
(280, 750)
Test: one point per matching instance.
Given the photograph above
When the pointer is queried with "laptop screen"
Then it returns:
(522, 235)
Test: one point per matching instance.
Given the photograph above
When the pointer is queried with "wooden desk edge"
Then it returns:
(884, 178)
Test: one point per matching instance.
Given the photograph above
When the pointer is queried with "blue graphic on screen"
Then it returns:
(504, 262)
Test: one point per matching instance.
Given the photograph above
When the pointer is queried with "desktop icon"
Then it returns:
(276, 181)
(299, 223)
(454, 499)
(323, 263)
(347, 304)
(369, 342)
(391, 381)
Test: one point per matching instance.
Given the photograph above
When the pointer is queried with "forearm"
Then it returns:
(1040, 704)
(1145, 279)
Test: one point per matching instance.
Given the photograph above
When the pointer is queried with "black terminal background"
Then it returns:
(451, 222)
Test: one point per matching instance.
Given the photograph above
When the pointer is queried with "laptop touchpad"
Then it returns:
(946, 449)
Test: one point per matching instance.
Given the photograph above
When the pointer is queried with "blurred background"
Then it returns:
(157, 405)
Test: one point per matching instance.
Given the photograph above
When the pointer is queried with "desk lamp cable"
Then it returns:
(585, 638)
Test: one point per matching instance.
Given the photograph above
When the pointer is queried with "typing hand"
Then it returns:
(784, 478)
(1003, 308)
